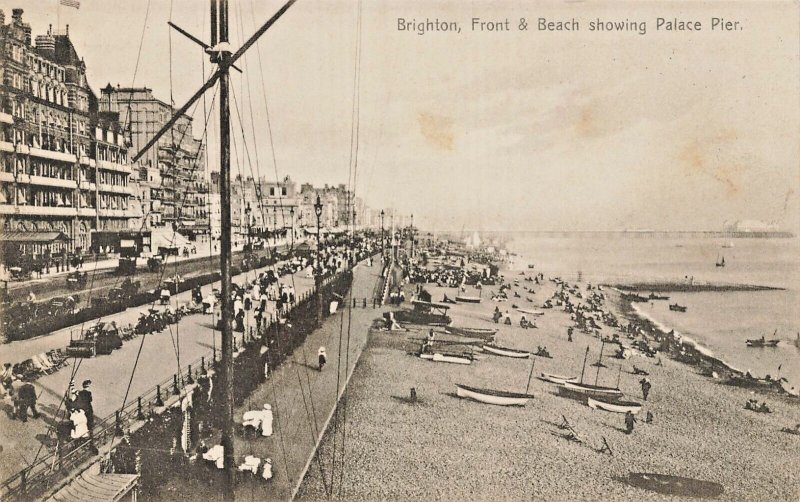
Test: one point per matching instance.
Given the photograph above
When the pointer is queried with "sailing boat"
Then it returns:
(721, 262)
(584, 390)
(497, 397)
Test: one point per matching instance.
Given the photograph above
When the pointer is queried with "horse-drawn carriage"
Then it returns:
(77, 280)
(102, 338)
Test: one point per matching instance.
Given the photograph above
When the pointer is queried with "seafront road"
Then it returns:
(192, 338)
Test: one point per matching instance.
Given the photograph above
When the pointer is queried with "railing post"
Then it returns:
(139, 411)
(159, 401)
(117, 424)
(175, 390)
(203, 365)
(365, 302)
(189, 377)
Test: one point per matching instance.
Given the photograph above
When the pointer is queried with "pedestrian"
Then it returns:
(646, 385)
(629, 421)
(322, 356)
(569, 333)
(83, 401)
(24, 398)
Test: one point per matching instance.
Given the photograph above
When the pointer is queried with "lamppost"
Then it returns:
(247, 212)
(318, 274)
(275, 224)
(291, 215)
(383, 252)
(412, 236)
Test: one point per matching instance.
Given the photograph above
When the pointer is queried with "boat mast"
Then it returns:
(584, 362)
(599, 363)
(223, 55)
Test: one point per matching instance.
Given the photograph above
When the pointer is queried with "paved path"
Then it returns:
(303, 398)
(192, 338)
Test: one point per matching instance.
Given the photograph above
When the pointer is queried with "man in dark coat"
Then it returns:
(83, 401)
(24, 398)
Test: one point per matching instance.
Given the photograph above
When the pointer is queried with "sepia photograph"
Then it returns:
(399, 250)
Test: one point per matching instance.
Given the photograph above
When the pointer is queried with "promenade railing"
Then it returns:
(58, 467)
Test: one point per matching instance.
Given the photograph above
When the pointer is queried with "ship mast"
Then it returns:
(220, 53)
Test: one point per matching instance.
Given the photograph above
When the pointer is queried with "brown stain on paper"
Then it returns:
(699, 158)
(437, 130)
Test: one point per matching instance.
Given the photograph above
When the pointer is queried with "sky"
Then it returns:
(518, 130)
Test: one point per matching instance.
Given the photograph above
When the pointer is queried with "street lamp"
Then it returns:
(383, 252)
(247, 212)
(412, 236)
(291, 215)
(318, 275)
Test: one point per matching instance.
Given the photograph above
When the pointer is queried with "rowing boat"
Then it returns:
(572, 389)
(489, 396)
(531, 312)
(615, 407)
(762, 343)
(483, 333)
(558, 379)
(442, 358)
(468, 299)
(506, 352)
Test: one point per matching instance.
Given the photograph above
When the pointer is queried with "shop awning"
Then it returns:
(33, 237)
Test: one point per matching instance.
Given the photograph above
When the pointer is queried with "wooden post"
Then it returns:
(527, 387)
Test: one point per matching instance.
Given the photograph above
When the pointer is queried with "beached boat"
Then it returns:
(557, 378)
(444, 358)
(571, 389)
(483, 333)
(506, 352)
(615, 406)
(490, 396)
(468, 299)
(633, 297)
(760, 342)
(677, 308)
(654, 296)
(531, 312)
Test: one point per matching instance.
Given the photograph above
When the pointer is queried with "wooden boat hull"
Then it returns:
(558, 379)
(677, 308)
(531, 312)
(483, 333)
(765, 343)
(583, 390)
(614, 407)
(506, 352)
(468, 299)
(488, 396)
(442, 358)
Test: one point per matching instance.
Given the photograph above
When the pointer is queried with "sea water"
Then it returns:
(718, 321)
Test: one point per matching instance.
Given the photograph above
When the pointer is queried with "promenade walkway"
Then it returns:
(163, 354)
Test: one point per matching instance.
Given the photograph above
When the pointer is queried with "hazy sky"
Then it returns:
(517, 130)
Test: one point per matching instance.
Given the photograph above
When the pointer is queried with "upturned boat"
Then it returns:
(506, 352)
(483, 333)
(614, 406)
(531, 312)
(574, 389)
(490, 396)
(677, 308)
(468, 299)
(447, 358)
(557, 378)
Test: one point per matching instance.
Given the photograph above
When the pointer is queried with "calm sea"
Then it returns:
(720, 321)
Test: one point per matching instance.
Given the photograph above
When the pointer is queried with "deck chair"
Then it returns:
(38, 366)
(45, 363)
